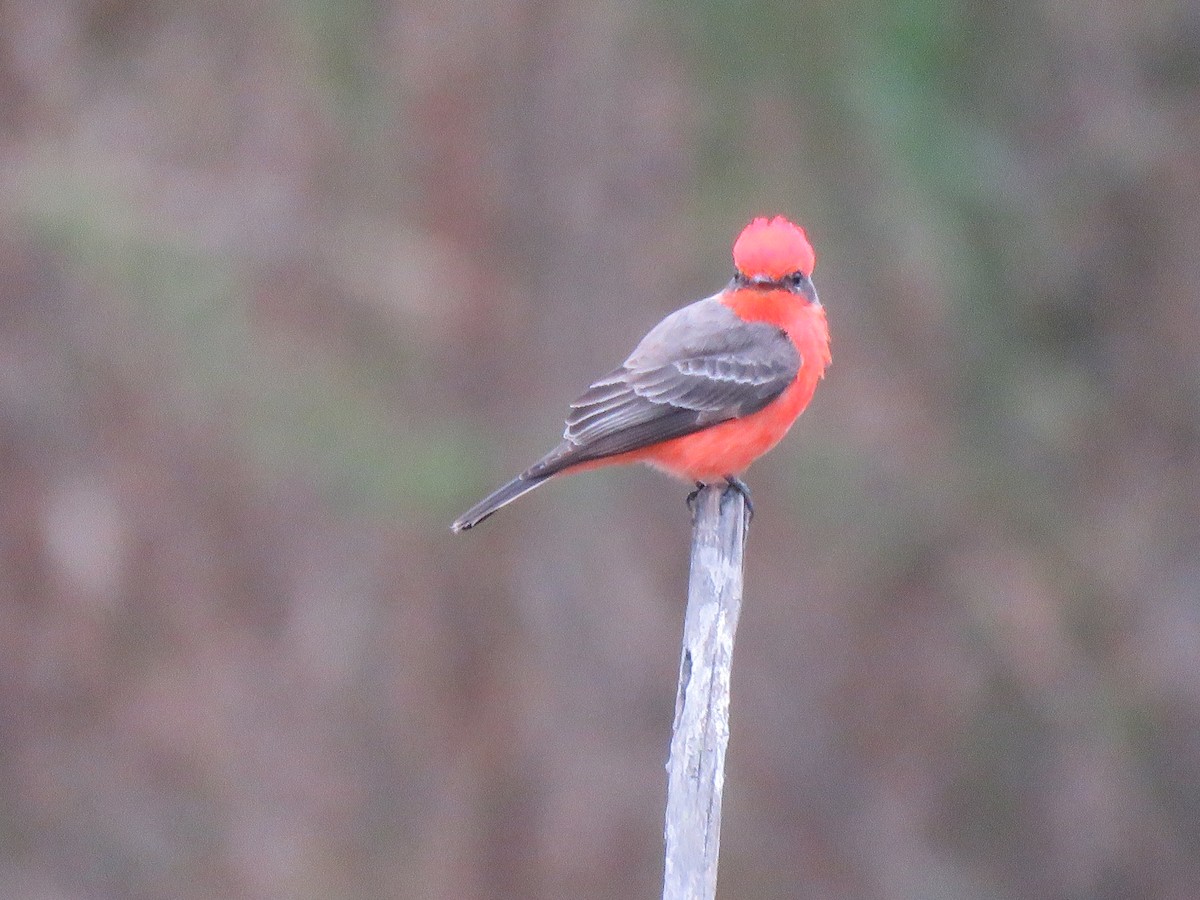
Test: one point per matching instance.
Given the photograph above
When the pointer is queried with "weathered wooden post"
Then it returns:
(696, 768)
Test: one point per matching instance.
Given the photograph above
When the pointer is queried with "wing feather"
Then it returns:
(699, 366)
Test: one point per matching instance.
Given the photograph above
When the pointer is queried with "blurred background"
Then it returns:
(285, 286)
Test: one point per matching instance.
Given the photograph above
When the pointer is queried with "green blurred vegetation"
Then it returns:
(192, 311)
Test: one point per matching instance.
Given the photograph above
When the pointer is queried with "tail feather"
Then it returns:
(500, 497)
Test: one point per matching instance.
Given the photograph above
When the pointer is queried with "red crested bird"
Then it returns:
(711, 387)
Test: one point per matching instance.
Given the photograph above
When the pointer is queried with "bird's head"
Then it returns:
(770, 251)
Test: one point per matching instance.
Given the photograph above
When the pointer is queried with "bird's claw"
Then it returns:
(736, 484)
(732, 483)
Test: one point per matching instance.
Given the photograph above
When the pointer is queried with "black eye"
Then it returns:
(795, 279)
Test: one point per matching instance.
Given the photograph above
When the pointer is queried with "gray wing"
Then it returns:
(699, 366)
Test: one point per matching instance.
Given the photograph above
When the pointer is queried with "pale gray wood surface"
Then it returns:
(696, 768)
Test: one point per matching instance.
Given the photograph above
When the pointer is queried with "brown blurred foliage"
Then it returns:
(284, 286)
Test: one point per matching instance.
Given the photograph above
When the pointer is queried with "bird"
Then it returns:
(709, 389)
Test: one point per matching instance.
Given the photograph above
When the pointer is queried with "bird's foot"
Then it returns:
(732, 483)
(736, 484)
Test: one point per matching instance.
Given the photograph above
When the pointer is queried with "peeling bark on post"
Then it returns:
(696, 768)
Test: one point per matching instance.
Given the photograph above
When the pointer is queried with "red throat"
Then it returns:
(773, 248)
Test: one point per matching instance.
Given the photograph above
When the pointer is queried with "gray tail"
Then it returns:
(498, 498)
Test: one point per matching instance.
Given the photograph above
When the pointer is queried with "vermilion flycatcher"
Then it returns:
(712, 387)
